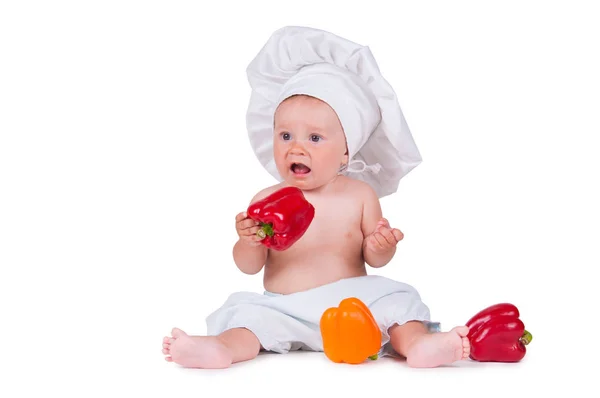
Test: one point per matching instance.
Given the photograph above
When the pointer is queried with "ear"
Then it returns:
(344, 163)
(345, 157)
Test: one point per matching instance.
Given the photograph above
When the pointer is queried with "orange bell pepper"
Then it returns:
(350, 333)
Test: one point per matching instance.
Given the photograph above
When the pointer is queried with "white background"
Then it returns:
(124, 159)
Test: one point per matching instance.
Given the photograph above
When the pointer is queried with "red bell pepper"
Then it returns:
(284, 217)
(497, 334)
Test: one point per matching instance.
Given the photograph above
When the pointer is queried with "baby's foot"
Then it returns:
(436, 349)
(195, 351)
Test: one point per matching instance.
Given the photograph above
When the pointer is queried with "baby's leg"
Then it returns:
(426, 350)
(210, 352)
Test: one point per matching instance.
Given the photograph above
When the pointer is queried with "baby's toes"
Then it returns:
(166, 345)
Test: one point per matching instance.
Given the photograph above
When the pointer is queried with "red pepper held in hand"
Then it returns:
(284, 216)
(497, 334)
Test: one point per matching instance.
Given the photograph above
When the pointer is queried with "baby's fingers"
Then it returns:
(247, 223)
(251, 232)
(398, 235)
(378, 242)
(251, 237)
(388, 236)
(240, 216)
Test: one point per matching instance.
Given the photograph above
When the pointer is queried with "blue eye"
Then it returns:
(315, 138)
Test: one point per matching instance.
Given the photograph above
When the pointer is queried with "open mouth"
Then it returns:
(299, 168)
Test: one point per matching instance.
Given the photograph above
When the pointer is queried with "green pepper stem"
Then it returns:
(265, 230)
(526, 338)
(373, 357)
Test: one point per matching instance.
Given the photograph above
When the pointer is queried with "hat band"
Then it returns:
(375, 168)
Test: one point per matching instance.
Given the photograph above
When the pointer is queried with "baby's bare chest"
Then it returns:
(335, 224)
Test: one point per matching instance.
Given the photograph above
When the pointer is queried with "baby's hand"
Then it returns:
(246, 229)
(384, 237)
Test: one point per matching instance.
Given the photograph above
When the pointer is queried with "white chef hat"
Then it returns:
(345, 75)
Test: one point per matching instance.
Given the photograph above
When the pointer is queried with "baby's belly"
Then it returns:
(290, 274)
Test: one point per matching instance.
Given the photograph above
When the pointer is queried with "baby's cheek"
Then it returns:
(329, 165)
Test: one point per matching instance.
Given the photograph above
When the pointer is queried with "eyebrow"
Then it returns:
(283, 126)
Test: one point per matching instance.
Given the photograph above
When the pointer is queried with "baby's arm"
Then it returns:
(371, 216)
(249, 259)
(249, 254)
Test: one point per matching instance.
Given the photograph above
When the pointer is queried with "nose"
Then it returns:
(297, 149)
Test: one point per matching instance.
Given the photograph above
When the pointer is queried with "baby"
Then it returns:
(313, 135)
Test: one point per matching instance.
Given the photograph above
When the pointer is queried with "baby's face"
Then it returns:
(309, 142)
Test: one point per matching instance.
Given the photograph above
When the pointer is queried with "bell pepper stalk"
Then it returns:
(496, 334)
(283, 216)
(350, 333)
